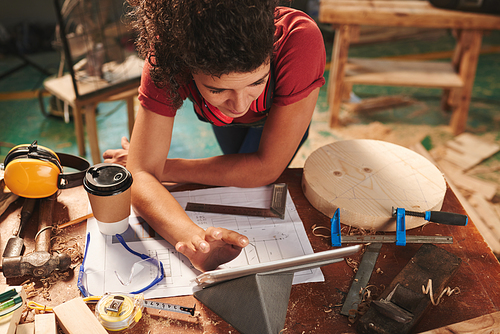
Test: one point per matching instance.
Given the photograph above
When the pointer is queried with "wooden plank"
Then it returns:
(486, 324)
(366, 178)
(378, 103)
(402, 14)
(487, 213)
(45, 323)
(337, 72)
(28, 328)
(377, 34)
(469, 183)
(401, 73)
(74, 317)
(470, 43)
(467, 150)
(492, 242)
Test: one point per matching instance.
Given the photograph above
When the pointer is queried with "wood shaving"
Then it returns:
(352, 263)
(368, 294)
(447, 291)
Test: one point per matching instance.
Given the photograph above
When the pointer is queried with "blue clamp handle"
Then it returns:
(400, 227)
(335, 229)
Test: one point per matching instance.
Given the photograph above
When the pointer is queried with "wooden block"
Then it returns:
(467, 150)
(74, 317)
(486, 324)
(28, 328)
(45, 323)
(366, 178)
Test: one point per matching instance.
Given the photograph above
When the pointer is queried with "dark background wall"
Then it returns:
(31, 11)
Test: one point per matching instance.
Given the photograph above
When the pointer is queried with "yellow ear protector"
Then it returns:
(34, 171)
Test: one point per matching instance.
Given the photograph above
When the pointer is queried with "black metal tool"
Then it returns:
(402, 304)
(361, 279)
(15, 244)
(440, 217)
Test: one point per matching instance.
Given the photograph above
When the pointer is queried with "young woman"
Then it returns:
(253, 70)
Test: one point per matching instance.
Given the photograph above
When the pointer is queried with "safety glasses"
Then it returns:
(143, 275)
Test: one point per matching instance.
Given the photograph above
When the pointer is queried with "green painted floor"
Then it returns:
(21, 119)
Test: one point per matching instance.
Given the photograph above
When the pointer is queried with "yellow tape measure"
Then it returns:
(117, 312)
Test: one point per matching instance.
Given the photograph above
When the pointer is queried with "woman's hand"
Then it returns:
(118, 156)
(216, 247)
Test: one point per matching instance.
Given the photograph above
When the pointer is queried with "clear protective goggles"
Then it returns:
(143, 275)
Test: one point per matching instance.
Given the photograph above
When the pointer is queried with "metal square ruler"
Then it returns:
(276, 210)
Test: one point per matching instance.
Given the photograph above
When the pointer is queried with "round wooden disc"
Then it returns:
(367, 178)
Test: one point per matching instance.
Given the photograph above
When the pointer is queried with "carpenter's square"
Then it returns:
(277, 209)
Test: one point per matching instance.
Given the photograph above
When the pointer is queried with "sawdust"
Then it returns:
(71, 246)
(405, 135)
(40, 287)
(162, 322)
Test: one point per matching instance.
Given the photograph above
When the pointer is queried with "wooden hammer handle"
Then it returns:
(44, 223)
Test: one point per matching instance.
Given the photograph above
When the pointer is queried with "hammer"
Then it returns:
(40, 263)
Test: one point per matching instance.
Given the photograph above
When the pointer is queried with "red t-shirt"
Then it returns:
(298, 68)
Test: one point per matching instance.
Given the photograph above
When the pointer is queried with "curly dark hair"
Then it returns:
(215, 37)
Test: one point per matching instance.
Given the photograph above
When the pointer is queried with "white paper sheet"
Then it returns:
(270, 239)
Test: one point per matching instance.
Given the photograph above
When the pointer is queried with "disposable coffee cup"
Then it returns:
(108, 188)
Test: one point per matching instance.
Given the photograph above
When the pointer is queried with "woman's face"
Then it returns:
(233, 93)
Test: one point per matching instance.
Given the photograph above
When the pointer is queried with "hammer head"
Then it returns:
(36, 264)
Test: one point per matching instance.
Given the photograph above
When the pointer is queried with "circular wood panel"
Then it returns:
(366, 178)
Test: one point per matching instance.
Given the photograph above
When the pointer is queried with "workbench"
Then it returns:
(456, 78)
(313, 307)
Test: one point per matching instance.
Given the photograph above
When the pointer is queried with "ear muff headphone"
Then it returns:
(34, 171)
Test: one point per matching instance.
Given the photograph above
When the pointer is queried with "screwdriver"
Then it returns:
(440, 217)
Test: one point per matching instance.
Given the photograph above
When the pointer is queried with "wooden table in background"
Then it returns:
(313, 307)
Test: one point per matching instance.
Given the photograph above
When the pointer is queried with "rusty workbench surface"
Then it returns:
(313, 307)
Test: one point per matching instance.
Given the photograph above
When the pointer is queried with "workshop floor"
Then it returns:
(22, 120)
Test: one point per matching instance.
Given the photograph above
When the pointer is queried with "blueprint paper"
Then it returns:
(270, 239)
